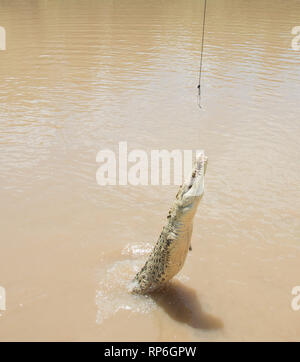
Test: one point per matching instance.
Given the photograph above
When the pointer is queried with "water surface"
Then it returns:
(81, 76)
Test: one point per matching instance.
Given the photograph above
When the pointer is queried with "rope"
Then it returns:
(201, 57)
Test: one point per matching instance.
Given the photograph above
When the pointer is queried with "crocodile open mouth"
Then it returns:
(201, 163)
(199, 168)
(194, 184)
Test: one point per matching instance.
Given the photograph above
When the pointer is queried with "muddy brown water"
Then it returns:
(78, 77)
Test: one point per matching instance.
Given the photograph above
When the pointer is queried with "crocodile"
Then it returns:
(170, 251)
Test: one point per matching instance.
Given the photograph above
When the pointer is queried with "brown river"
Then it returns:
(78, 77)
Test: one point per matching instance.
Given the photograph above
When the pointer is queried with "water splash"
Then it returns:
(113, 292)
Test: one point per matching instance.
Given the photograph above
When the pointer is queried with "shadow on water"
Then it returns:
(182, 304)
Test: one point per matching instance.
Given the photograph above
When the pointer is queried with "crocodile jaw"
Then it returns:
(193, 187)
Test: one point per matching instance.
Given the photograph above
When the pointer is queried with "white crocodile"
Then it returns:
(170, 251)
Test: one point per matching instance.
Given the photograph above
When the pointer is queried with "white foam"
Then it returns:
(114, 291)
